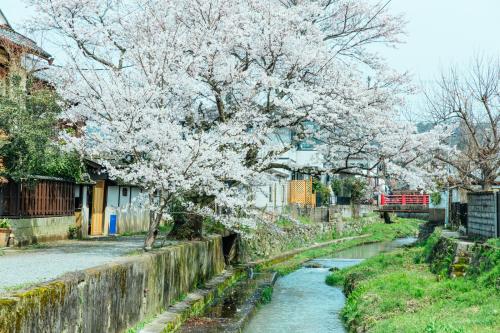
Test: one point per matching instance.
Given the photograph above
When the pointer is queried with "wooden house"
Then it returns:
(19, 56)
(106, 207)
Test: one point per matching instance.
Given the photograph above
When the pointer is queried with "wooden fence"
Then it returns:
(42, 197)
(301, 193)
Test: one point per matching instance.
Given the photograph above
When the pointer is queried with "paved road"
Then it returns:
(20, 268)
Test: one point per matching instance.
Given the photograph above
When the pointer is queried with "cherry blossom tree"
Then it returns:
(183, 96)
(469, 100)
(367, 135)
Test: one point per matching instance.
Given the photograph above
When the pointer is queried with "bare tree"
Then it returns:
(471, 102)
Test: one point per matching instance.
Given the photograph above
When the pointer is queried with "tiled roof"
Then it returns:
(7, 33)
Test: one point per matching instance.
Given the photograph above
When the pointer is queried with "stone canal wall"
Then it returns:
(113, 297)
(271, 239)
(455, 257)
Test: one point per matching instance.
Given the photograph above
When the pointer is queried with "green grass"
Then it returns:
(267, 295)
(400, 228)
(305, 220)
(130, 234)
(137, 328)
(165, 229)
(377, 232)
(495, 242)
(397, 292)
(284, 223)
(135, 252)
(162, 229)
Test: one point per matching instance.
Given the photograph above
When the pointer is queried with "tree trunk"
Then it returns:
(387, 217)
(154, 222)
(355, 208)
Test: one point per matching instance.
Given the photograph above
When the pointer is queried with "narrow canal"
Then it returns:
(303, 302)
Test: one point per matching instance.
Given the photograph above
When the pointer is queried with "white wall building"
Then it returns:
(273, 195)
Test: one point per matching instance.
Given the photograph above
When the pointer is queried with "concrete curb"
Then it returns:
(194, 304)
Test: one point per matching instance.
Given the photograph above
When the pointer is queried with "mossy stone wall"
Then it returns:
(113, 297)
(442, 255)
(268, 241)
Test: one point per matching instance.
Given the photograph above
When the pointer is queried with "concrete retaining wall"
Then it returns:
(330, 214)
(413, 215)
(315, 214)
(113, 297)
(42, 229)
(338, 212)
(483, 214)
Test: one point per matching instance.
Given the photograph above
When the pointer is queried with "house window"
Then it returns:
(270, 194)
(124, 191)
(78, 197)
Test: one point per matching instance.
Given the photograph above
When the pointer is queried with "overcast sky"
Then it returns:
(440, 33)
(444, 32)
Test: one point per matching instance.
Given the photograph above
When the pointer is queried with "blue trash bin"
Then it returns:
(112, 224)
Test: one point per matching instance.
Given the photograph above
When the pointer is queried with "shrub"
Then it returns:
(429, 245)
(441, 256)
(323, 191)
(5, 224)
(74, 232)
(436, 198)
(355, 188)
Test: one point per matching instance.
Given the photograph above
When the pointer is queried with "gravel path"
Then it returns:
(22, 267)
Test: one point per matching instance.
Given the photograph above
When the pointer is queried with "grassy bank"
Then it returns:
(377, 232)
(397, 292)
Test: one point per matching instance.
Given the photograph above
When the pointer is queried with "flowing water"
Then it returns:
(303, 302)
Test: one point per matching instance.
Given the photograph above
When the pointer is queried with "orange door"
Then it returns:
(96, 222)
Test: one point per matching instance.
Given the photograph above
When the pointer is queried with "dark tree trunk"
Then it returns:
(187, 226)
(229, 248)
(387, 217)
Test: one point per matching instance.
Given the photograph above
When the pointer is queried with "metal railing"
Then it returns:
(404, 199)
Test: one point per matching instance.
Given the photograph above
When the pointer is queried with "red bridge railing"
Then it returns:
(404, 199)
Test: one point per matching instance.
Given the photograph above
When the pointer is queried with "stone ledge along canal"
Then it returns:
(301, 303)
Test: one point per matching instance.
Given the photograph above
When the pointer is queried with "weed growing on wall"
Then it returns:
(267, 295)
